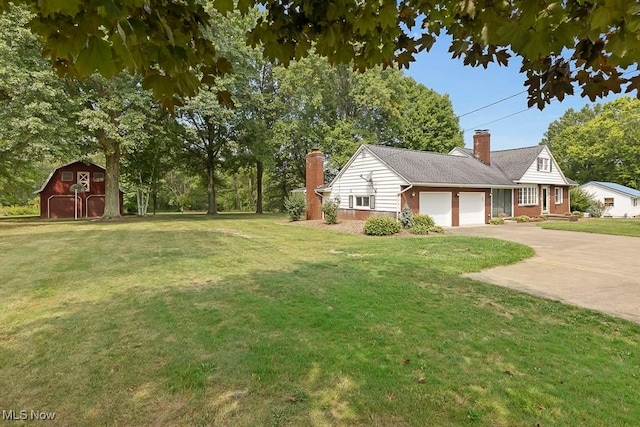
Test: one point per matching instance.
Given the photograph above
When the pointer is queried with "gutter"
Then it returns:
(400, 200)
(321, 199)
(452, 185)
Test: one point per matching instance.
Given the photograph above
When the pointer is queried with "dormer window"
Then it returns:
(544, 164)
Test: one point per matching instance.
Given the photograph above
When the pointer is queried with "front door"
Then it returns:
(545, 199)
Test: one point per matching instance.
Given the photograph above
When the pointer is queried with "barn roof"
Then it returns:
(53, 172)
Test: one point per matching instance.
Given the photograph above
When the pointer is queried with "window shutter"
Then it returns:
(538, 163)
(350, 201)
(550, 165)
(372, 202)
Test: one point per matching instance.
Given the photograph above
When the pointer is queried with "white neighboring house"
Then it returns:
(619, 201)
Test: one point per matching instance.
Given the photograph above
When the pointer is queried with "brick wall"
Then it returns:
(412, 198)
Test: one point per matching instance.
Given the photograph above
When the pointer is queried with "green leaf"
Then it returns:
(601, 18)
(97, 55)
(65, 7)
(223, 6)
(388, 16)
(245, 5)
(109, 9)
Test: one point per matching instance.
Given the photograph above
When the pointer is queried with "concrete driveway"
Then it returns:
(595, 271)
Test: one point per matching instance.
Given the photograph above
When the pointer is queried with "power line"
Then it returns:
(512, 114)
(497, 120)
(492, 104)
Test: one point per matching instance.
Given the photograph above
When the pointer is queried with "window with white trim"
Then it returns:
(67, 176)
(528, 196)
(608, 201)
(83, 179)
(544, 164)
(98, 177)
(362, 202)
(558, 192)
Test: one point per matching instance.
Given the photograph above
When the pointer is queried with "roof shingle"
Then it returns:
(515, 162)
(435, 168)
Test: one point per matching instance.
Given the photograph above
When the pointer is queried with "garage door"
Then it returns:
(60, 206)
(438, 206)
(472, 211)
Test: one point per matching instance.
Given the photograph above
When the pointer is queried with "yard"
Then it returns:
(245, 320)
(618, 226)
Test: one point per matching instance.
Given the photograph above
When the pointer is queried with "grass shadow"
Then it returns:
(338, 341)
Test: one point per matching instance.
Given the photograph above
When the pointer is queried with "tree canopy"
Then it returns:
(589, 43)
(600, 143)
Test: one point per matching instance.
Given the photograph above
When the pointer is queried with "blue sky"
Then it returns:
(470, 88)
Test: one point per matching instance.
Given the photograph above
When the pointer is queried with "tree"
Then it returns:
(36, 111)
(209, 128)
(336, 109)
(151, 152)
(587, 43)
(600, 143)
(212, 127)
(113, 109)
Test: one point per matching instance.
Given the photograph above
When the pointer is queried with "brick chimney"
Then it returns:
(314, 178)
(482, 146)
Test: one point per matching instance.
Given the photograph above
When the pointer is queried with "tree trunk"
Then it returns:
(237, 203)
(252, 197)
(112, 180)
(259, 173)
(211, 189)
(155, 197)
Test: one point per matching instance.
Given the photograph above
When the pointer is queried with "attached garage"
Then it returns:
(438, 206)
(472, 208)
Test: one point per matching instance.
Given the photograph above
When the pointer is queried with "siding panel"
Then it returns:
(385, 184)
(533, 176)
(622, 204)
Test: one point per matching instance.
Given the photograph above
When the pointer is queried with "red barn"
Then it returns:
(57, 194)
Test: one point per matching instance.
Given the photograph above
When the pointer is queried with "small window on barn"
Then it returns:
(67, 176)
(98, 177)
(83, 179)
(608, 201)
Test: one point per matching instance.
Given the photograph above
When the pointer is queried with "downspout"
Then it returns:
(321, 201)
(400, 200)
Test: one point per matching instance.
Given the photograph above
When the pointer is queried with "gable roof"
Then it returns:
(631, 192)
(423, 167)
(53, 172)
(515, 162)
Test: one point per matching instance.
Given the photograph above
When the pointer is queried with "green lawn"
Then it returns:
(619, 226)
(246, 321)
